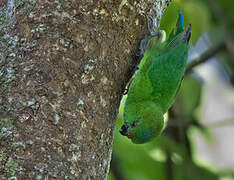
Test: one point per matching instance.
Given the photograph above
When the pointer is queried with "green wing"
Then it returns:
(165, 75)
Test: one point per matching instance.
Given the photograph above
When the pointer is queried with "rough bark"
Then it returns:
(63, 67)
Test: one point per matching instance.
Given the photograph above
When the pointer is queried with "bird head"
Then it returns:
(148, 124)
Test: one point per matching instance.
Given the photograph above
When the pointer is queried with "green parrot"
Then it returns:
(154, 86)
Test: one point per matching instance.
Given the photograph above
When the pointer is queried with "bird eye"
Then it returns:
(134, 123)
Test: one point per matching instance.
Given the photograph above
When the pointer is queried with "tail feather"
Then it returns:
(180, 23)
(182, 37)
(178, 29)
(187, 34)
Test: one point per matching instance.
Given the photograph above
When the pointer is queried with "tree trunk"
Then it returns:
(63, 68)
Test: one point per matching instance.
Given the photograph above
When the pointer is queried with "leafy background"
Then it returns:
(197, 143)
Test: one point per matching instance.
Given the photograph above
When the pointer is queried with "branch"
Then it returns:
(228, 43)
(205, 56)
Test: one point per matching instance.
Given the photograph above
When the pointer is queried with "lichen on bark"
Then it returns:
(63, 67)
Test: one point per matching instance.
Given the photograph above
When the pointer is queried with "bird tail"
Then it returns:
(182, 37)
(179, 27)
(180, 23)
(187, 34)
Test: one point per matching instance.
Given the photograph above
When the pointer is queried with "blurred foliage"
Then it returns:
(190, 102)
(171, 156)
(226, 13)
(194, 13)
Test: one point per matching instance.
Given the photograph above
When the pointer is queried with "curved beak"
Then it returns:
(124, 130)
